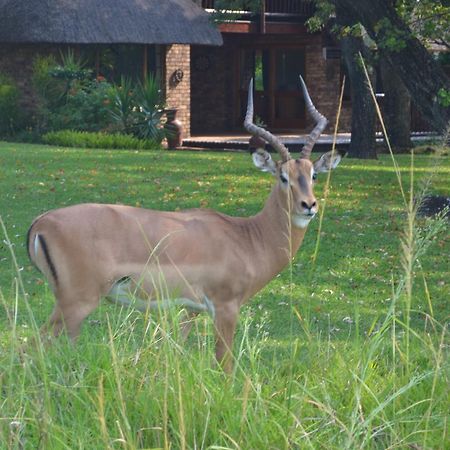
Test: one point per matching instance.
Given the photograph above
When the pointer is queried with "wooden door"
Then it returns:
(278, 100)
(288, 104)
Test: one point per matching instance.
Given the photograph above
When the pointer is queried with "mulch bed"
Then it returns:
(434, 204)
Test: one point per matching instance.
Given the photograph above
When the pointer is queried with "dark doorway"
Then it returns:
(278, 100)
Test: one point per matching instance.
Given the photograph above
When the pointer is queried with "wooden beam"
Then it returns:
(145, 63)
(285, 28)
(270, 28)
(263, 17)
(238, 27)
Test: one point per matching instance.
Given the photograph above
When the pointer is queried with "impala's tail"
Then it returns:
(39, 253)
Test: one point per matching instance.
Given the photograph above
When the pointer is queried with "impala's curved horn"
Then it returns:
(321, 123)
(254, 130)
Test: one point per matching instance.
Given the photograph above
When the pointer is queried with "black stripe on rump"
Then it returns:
(47, 257)
(28, 242)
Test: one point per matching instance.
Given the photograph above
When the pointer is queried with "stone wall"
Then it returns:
(177, 83)
(17, 62)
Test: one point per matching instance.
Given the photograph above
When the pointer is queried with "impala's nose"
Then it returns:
(310, 208)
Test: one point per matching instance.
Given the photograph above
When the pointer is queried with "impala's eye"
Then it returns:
(314, 176)
(283, 178)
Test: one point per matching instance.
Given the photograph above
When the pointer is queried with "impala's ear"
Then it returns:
(263, 161)
(328, 161)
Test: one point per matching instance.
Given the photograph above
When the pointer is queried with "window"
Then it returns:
(116, 61)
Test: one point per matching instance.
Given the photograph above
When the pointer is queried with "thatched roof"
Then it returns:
(106, 22)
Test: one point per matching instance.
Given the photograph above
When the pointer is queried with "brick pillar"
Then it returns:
(178, 92)
(323, 81)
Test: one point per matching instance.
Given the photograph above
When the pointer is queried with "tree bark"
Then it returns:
(363, 144)
(396, 108)
(422, 76)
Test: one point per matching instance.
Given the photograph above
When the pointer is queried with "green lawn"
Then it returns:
(331, 354)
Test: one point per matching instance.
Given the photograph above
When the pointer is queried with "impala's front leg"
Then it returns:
(225, 323)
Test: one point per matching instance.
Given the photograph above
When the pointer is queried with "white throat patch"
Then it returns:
(301, 221)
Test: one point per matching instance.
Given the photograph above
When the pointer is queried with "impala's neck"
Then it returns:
(274, 241)
(275, 222)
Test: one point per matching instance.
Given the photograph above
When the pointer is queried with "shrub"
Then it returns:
(151, 110)
(70, 138)
(71, 68)
(85, 107)
(10, 117)
(139, 109)
(69, 97)
(49, 92)
(122, 105)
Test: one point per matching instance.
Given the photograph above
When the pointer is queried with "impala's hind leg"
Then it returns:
(68, 315)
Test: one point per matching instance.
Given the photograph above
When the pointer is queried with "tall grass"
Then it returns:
(139, 387)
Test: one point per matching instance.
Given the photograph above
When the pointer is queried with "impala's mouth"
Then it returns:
(302, 220)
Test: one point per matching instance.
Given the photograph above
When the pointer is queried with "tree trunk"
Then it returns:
(396, 108)
(422, 76)
(363, 110)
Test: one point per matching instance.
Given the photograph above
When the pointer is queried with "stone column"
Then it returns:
(177, 83)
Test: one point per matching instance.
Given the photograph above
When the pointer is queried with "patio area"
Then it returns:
(239, 141)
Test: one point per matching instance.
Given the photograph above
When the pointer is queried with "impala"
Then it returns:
(209, 261)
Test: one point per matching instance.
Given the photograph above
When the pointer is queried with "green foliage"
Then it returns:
(150, 110)
(354, 31)
(10, 117)
(69, 98)
(139, 108)
(324, 10)
(71, 68)
(84, 139)
(390, 37)
(49, 92)
(122, 103)
(428, 19)
(85, 107)
(444, 97)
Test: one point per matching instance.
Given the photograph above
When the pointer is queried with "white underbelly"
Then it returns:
(126, 293)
